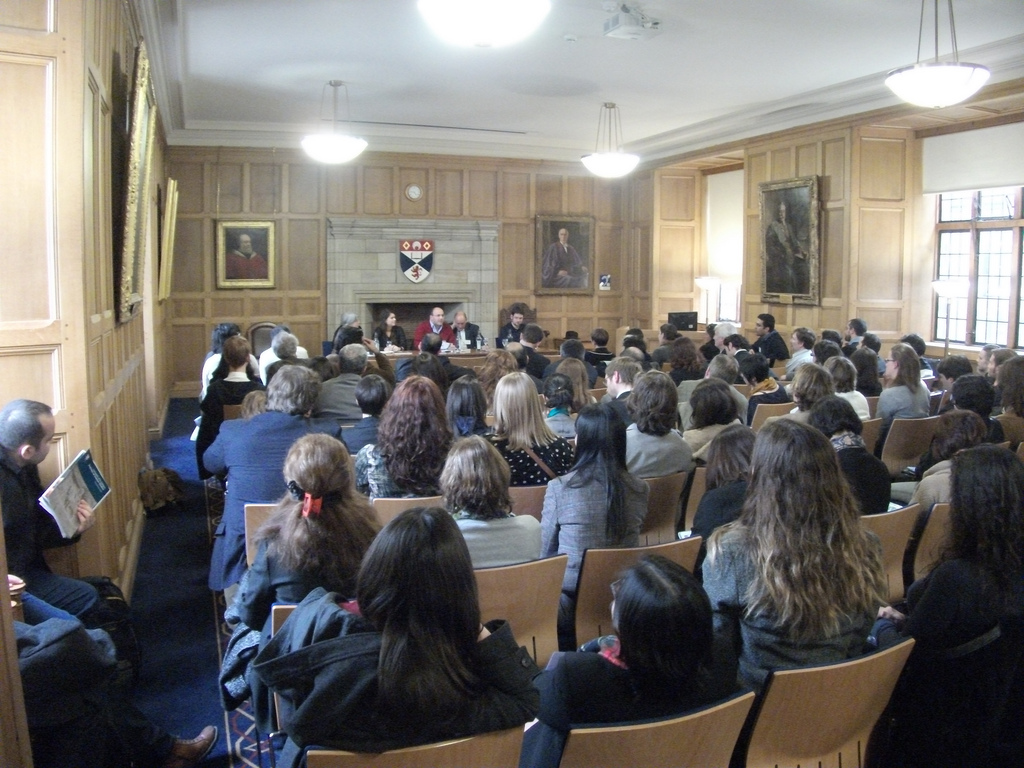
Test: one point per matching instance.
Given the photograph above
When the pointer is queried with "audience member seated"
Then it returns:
(764, 389)
(709, 349)
(985, 357)
(420, 365)
(437, 326)
(687, 363)
(654, 448)
(1011, 387)
(532, 336)
(947, 371)
(796, 580)
(853, 335)
(726, 484)
(513, 329)
(372, 393)
(667, 334)
(533, 452)
(338, 395)
(868, 477)
(413, 666)
(655, 666)
(721, 367)
(634, 340)
(253, 403)
(518, 351)
(803, 343)
(231, 383)
(844, 381)
(272, 355)
(823, 350)
(712, 409)
(598, 504)
(388, 335)
(252, 452)
(769, 341)
(737, 346)
(620, 374)
(600, 354)
(558, 400)
(866, 361)
(946, 707)
(572, 348)
(466, 408)
(829, 334)
(904, 396)
(322, 367)
(475, 484)
(916, 343)
(341, 336)
(497, 363)
(576, 372)
(811, 383)
(957, 430)
(872, 342)
(77, 716)
(221, 333)
(413, 439)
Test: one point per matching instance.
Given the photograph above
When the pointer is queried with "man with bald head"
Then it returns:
(435, 324)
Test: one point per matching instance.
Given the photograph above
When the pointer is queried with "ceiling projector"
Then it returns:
(631, 24)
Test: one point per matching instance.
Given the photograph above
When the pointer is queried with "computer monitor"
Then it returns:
(683, 321)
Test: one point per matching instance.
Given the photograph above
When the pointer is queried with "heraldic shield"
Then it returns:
(417, 259)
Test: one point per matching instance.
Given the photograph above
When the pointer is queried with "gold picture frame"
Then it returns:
(564, 268)
(170, 220)
(246, 254)
(790, 260)
(136, 210)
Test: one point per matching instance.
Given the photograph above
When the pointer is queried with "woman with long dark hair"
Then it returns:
(687, 362)
(656, 665)
(865, 360)
(726, 483)
(466, 406)
(412, 443)
(597, 504)
(796, 580)
(388, 335)
(413, 666)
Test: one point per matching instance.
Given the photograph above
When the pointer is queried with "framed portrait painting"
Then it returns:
(565, 254)
(790, 264)
(245, 254)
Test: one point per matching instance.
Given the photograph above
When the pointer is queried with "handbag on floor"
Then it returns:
(112, 614)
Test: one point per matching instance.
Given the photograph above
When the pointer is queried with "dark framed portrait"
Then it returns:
(790, 265)
(245, 254)
(565, 254)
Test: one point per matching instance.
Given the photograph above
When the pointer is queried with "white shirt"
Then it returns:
(268, 357)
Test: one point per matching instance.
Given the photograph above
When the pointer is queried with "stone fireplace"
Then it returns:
(363, 273)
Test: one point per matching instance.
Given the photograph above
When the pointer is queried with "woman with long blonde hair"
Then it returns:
(533, 452)
(796, 580)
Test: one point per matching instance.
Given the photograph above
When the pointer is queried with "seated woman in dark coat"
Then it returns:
(654, 667)
(868, 477)
(687, 363)
(726, 487)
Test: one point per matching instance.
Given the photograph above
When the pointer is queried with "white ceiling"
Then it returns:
(251, 72)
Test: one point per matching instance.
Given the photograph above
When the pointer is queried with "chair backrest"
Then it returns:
(255, 516)
(1013, 428)
(527, 499)
(870, 431)
(765, 411)
(499, 749)
(698, 740)
(600, 567)
(906, 442)
(597, 393)
(824, 715)
(232, 412)
(279, 613)
(388, 509)
(527, 596)
(935, 401)
(933, 539)
(698, 486)
(259, 337)
(872, 405)
(743, 389)
(893, 530)
(663, 506)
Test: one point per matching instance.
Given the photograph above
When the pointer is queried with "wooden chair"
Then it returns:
(259, 336)
(933, 539)
(663, 507)
(255, 516)
(893, 530)
(824, 715)
(743, 389)
(598, 393)
(906, 442)
(499, 749)
(765, 411)
(870, 431)
(699, 740)
(600, 567)
(527, 596)
(698, 485)
(232, 412)
(388, 509)
(1013, 429)
(872, 405)
(527, 499)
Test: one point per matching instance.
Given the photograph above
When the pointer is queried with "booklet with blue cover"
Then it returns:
(81, 480)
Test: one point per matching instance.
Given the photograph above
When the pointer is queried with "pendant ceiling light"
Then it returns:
(484, 23)
(333, 147)
(608, 159)
(937, 83)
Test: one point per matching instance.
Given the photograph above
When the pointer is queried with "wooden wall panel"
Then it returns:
(782, 163)
(190, 266)
(305, 246)
(303, 188)
(882, 169)
(880, 273)
(188, 308)
(184, 343)
(833, 237)
(227, 178)
(31, 15)
(341, 189)
(581, 195)
(265, 306)
(377, 191)
(608, 205)
(449, 193)
(678, 198)
(418, 176)
(807, 159)
(308, 305)
(228, 306)
(190, 186)
(483, 194)
(833, 182)
(32, 373)
(265, 187)
(676, 265)
(549, 194)
(515, 265)
(515, 195)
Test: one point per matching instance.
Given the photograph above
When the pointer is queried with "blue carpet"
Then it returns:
(175, 614)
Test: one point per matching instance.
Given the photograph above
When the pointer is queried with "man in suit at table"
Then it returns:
(435, 324)
(466, 333)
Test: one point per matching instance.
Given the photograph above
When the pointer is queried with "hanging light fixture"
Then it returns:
(484, 23)
(333, 147)
(608, 159)
(937, 83)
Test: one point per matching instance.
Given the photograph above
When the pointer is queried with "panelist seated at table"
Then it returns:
(467, 334)
(435, 324)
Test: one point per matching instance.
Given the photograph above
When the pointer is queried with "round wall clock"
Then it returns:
(414, 192)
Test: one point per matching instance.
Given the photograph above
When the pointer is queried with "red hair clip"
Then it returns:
(311, 505)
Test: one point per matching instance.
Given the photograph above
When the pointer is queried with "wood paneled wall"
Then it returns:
(677, 253)
(299, 196)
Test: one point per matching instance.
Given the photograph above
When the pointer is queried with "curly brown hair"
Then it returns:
(497, 363)
(683, 354)
(653, 403)
(414, 436)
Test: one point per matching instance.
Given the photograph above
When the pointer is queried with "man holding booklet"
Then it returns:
(26, 428)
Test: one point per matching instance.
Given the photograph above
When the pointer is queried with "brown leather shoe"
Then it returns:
(185, 754)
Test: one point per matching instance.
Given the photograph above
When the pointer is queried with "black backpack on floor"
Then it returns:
(113, 615)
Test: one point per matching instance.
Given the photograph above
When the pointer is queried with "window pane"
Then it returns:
(954, 264)
(996, 271)
(996, 203)
(955, 206)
